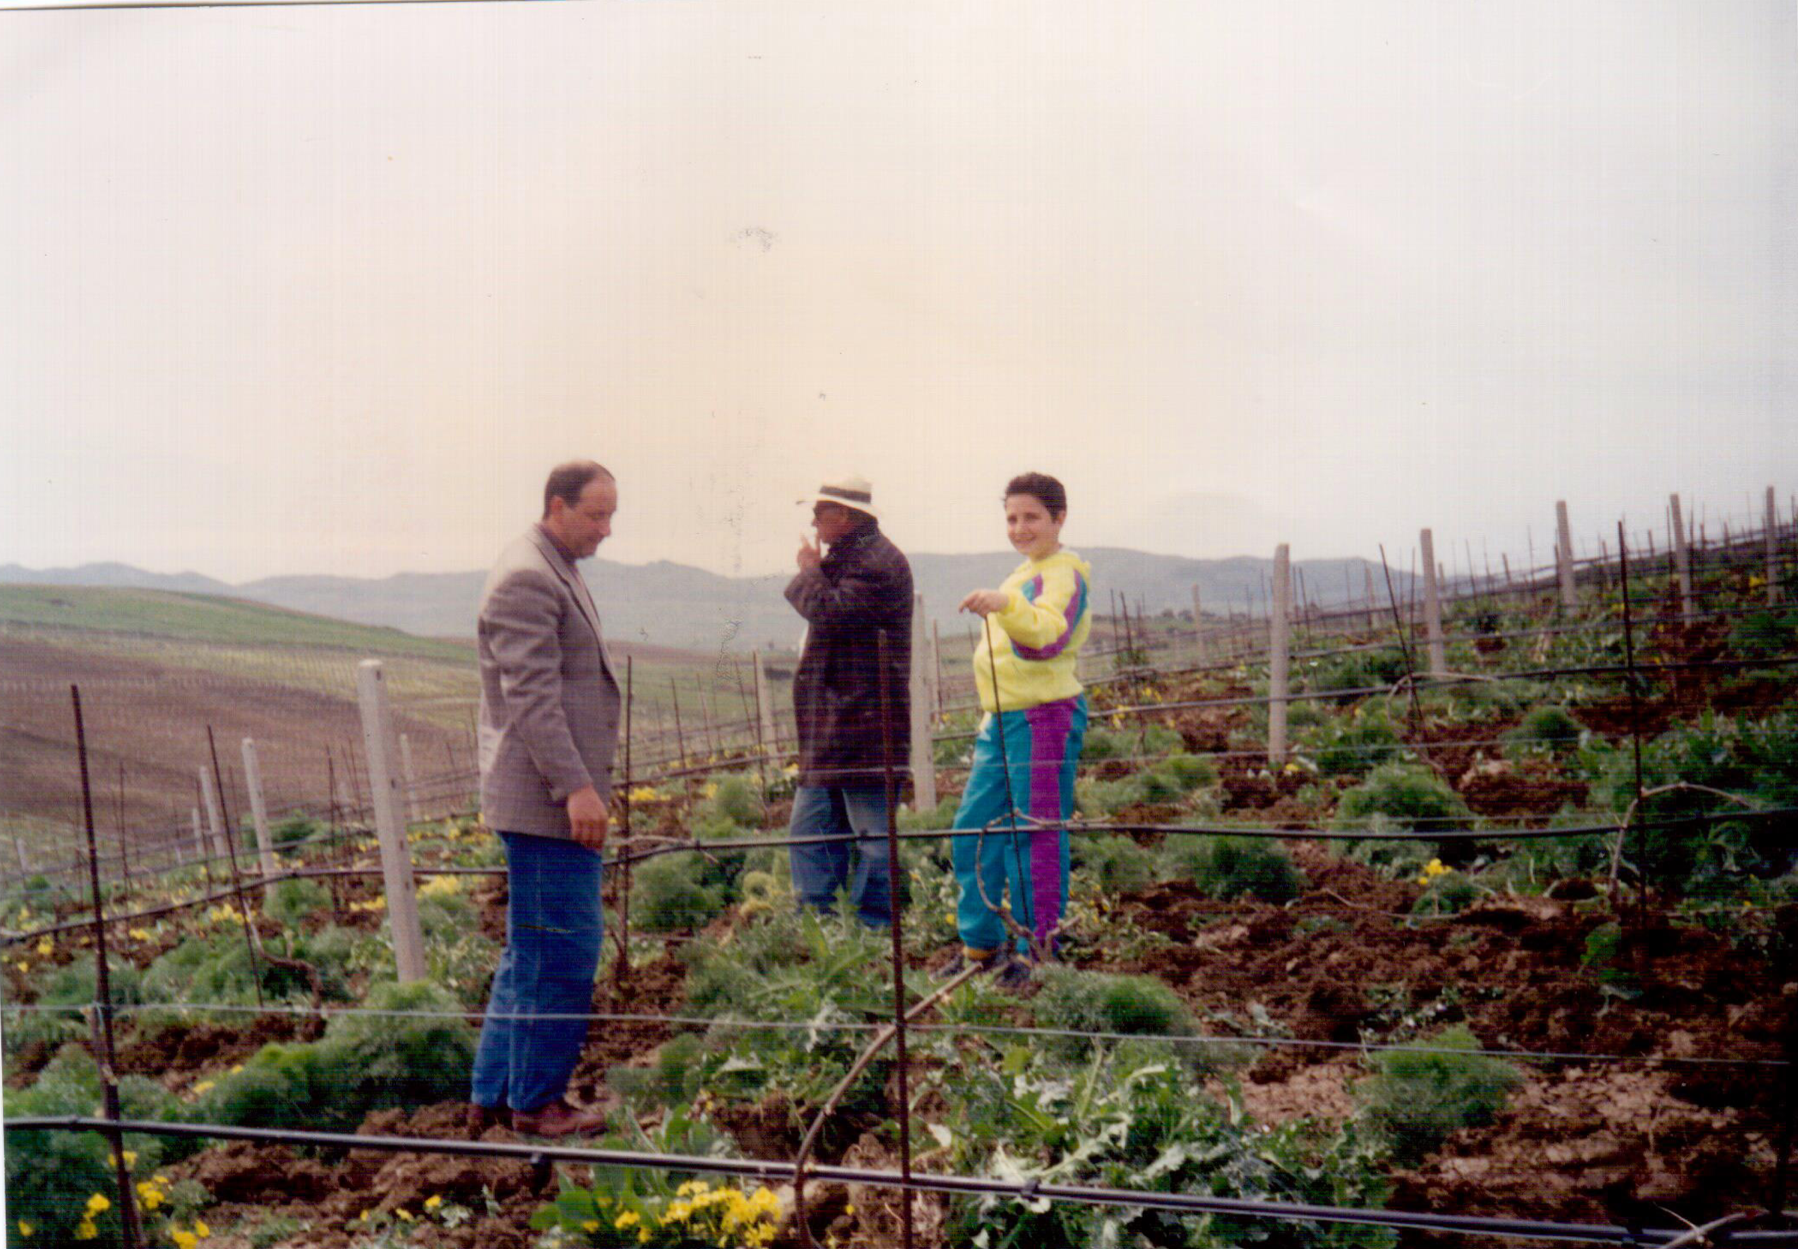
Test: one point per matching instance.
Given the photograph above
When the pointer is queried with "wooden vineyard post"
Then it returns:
(390, 824)
(1372, 615)
(923, 754)
(1771, 539)
(214, 820)
(411, 778)
(1432, 606)
(1564, 557)
(199, 836)
(1682, 559)
(252, 778)
(1279, 659)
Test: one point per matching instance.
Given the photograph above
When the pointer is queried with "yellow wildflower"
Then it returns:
(404, 1214)
(182, 1239)
(590, 1225)
(433, 1201)
(203, 1086)
(643, 1236)
(236, 1067)
(45, 946)
(201, 1230)
(22, 965)
(96, 1204)
(87, 1231)
(25, 1229)
(627, 1219)
(140, 934)
(148, 1195)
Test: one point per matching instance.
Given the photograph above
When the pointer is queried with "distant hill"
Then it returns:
(676, 605)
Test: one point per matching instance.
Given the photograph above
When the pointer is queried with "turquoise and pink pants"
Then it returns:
(1042, 749)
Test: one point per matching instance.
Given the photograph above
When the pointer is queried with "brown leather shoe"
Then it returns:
(558, 1118)
(478, 1118)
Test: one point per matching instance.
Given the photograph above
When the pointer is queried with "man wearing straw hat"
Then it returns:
(849, 596)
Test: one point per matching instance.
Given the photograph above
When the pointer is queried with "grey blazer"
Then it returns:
(549, 700)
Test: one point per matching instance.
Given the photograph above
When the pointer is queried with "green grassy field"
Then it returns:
(202, 618)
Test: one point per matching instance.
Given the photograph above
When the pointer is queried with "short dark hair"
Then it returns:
(566, 481)
(1047, 491)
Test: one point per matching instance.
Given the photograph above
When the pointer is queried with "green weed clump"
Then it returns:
(421, 1053)
(1422, 1091)
(668, 896)
(1129, 1119)
(51, 1176)
(1116, 863)
(1753, 761)
(292, 833)
(292, 902)
(1227, 867)
(1090, 1001)
(736, 800)
(1103, 744)
(1399, 797)
(1765, 634)
(1360, 670)
(1354, 746)
(1549, 729)
(218, 969)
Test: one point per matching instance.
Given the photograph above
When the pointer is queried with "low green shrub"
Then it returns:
(1548, 729)
(52, 1176)
(1756, 761)
(1227, 867)
(736, 800)
(1422, 1091)
(292, 833)
(1445, 893)
(1130, 1119)
(1765, 634)
(292, 902)
(1116, 863)
(1090, 1001)
(1380, 668)
(1403, 796)
(1353, 746)
(421, 1053)
(666, 896)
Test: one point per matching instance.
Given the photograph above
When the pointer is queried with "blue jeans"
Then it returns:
(553, 929)
(822, 868)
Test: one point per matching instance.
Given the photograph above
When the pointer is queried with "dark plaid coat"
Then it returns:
(863, 586)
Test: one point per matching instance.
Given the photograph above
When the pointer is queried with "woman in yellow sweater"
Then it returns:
(1031, 735)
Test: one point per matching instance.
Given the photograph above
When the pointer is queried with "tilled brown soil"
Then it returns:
(1623, 1136)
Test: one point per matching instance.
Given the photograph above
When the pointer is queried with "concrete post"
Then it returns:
(214, 820)
(1279, 657)
(1682, 559)
(252, 777)
(390, 825)
(411, 778)
(923, 676)
(1432, 606)
(199, 835)
(1564, 557)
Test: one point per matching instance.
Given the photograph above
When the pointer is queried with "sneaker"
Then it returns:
(956, 966)
(1014, 975)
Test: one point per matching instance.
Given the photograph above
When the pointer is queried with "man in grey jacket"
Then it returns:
(548, 733)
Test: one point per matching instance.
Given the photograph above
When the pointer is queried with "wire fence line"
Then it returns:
(540, 1156)
(958, 1027)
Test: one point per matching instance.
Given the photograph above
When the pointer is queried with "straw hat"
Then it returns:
(852, 492)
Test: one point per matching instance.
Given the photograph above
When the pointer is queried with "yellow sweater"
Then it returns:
(1038, 635)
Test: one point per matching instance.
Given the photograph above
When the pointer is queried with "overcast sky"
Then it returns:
(329, 289)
